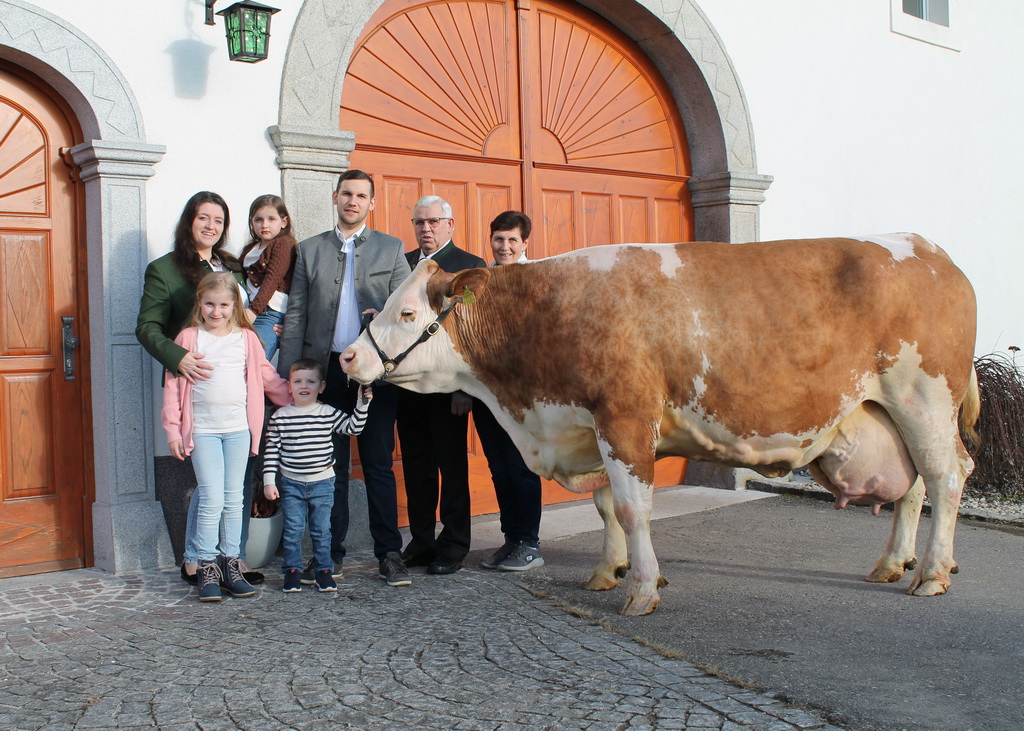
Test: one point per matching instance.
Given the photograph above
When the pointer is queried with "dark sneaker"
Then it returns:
(522, 558)
(208, 581)
(292, 582)
(500, 555)
(325, 582)
(232, 580)
(307, 573)
(393, 571)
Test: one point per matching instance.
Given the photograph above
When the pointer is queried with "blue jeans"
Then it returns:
(264, 327)
(299, 500)
(219, 461)
(191, 547)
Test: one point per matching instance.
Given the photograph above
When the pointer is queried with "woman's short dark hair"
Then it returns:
(185, 248)
(511, 220)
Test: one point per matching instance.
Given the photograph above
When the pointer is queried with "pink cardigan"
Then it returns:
(260, 377)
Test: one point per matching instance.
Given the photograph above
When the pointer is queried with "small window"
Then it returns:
(925, 20)
(934, 11)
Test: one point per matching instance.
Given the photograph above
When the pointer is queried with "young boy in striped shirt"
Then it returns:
(301, 449)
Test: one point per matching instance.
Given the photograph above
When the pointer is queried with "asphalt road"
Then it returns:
(771, 594)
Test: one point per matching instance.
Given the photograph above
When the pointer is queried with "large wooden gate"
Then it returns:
(537, 105)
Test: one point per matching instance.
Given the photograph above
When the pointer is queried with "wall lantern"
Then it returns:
(247, 26)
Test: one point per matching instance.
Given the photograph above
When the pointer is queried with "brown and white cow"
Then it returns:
(852, 356)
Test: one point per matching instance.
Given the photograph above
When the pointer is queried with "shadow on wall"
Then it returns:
(190, 66)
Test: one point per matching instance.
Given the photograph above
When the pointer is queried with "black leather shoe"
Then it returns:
(189, 578)
(444, 566)
(417, 558)
(254, 577)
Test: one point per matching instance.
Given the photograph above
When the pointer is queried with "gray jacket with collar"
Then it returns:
(380, 266)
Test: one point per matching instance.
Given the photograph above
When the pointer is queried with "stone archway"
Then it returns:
(726, 188)
(115, 161)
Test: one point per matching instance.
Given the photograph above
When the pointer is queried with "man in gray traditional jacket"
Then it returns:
(340, 276)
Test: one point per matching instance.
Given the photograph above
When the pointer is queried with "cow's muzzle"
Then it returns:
(391, 363)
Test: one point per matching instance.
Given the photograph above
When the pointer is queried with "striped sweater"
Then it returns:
(299, 440)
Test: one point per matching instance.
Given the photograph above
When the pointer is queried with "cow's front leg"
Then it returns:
(899, 553)
(614, 562)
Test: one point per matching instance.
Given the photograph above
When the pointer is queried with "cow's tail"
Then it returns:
(970, 411)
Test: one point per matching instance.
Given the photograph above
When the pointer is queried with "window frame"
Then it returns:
(919, 29)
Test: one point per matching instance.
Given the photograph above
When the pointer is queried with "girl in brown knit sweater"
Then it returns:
(269, 259)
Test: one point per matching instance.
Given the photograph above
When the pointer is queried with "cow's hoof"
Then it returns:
(662, 582)
(931, 587)
(637, 606)
(884, 575)
(603, 580)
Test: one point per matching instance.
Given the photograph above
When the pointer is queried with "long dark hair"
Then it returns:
(276, 202)
(184, 256)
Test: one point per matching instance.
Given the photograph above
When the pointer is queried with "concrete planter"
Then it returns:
(264, 538)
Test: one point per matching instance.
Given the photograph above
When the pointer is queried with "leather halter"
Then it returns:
(391, 363)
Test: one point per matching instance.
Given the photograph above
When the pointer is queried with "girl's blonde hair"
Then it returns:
(219, 281)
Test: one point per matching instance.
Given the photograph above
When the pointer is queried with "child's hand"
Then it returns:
(270, 492)
(177, 449)
(366, 393)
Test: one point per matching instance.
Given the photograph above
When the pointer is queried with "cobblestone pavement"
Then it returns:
(85, 649)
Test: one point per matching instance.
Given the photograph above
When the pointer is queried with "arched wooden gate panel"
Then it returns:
(538, 105)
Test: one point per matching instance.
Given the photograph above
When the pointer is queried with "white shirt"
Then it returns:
(346, 326)
(218, 403)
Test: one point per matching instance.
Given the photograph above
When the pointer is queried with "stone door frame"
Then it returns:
(115, 160)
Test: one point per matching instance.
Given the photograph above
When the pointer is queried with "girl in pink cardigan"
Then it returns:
(218, 422)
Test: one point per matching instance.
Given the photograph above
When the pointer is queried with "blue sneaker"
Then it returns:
(325, 582)
(292, 581)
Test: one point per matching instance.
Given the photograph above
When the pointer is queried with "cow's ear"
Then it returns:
(468, 285)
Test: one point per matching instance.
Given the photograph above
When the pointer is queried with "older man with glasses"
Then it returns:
(432, 427)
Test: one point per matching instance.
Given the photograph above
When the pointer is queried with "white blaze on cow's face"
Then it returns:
(431, 366)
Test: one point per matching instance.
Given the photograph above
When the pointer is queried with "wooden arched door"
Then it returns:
(44, 417)
(537, 105)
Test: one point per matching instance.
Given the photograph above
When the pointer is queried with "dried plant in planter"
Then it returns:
(261, 507)
(999, 463)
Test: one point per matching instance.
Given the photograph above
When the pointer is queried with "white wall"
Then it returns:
(868, 131)
(211, 114)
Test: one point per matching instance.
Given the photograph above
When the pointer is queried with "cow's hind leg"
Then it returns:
(943, 463)
(614, 561)
(899, 554)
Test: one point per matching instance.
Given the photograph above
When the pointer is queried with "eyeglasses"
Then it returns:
(432, 222)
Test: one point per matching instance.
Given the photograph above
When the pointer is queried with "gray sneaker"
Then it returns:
(393, 571)
(500, 555)
(522, 558)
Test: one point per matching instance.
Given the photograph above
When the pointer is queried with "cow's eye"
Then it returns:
(406, 314)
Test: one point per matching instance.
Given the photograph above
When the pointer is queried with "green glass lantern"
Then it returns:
(247, 25)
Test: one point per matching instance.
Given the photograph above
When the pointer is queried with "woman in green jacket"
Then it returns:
(167, 298)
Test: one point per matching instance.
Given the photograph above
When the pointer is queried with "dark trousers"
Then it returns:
(434, 443)
(376, 444)
(517, 488)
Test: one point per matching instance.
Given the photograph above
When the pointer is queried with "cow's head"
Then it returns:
(408, 343)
